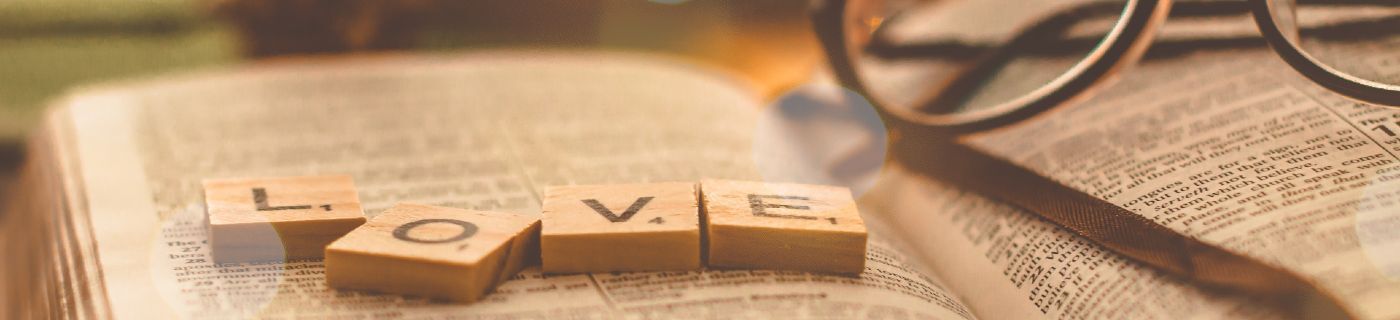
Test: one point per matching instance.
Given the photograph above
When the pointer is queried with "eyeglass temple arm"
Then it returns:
(968, 80)
(1054, 25)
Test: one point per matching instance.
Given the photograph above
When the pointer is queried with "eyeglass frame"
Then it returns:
(1121, 48)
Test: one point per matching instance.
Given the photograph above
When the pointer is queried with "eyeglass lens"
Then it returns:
(953, 56)
(1357, 38)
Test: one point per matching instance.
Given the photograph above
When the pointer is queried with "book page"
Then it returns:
(487, 131)
(1011, 264)
(1237, 149)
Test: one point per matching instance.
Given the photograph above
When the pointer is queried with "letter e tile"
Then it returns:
(783, 226)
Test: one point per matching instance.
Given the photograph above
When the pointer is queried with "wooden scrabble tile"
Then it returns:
(436, 252)
(265, 219)
(783, 226)
(634, 227)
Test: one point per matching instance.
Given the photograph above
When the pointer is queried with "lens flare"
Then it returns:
(821, 134)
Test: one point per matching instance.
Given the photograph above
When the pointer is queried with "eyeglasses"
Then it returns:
(1009, 60)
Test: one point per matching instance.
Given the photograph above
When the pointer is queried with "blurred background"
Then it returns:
(48, 47)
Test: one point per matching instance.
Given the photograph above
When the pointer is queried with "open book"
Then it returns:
(111, 223)
(1233, 150)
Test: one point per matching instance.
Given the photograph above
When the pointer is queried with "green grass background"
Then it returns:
(50, 46)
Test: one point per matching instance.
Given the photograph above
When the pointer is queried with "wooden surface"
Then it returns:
(437, 252)
(759, 225)
(633, 227)
(263, 219)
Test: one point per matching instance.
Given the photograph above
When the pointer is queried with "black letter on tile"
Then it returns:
(607, 213)
(260, 198)
(760, 208)
(468, 229)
